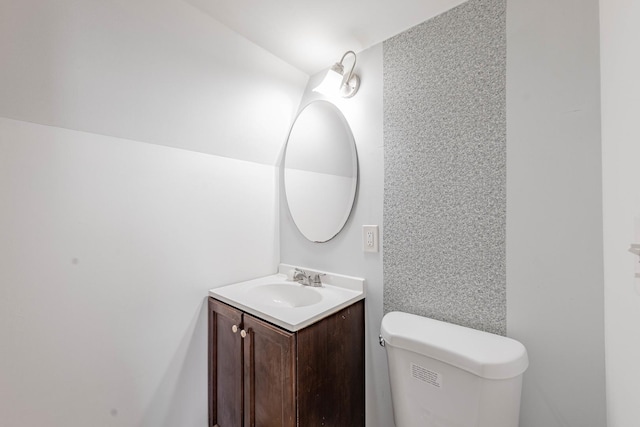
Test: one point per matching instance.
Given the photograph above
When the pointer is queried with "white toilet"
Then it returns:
(444, 375)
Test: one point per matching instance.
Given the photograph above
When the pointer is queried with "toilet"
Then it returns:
(445, 375)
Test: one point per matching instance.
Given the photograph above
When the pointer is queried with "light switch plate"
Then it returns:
(370, 238)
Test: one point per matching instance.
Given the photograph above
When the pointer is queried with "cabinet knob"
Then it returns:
(234, 328)
(243, 333)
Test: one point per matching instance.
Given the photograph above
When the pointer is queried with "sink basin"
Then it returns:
(286, 295)
(288, 304)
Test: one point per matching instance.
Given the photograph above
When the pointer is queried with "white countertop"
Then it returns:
(337, 292)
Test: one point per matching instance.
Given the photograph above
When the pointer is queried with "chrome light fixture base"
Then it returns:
(350, 87)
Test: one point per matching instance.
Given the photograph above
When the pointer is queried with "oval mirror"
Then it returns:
(320, 171)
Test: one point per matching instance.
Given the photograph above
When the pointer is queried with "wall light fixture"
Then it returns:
(336, 82)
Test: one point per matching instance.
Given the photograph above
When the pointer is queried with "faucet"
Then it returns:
(301, 277)
(315, 280)
(307, 279)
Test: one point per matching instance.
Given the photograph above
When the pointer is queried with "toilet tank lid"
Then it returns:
(482, 353)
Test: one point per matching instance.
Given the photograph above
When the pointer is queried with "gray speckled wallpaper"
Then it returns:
(445, 167)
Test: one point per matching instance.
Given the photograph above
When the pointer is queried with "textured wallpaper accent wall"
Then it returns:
(445, 167)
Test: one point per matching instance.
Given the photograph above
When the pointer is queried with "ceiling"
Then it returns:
(313, 34)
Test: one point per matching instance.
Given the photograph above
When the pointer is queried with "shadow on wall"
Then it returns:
(183, 378)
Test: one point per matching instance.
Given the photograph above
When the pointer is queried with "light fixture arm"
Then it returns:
(353, 66)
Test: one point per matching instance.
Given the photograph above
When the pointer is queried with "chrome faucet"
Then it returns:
(307, 279)
(315, 280)
(301, 277)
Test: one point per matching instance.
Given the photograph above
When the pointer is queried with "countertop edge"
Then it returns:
(282, 324)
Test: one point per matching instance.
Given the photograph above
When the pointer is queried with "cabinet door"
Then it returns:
(225, 366)
(269, 375)
(331, 370)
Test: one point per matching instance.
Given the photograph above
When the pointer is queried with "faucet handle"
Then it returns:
(301, 276)
(315, 279)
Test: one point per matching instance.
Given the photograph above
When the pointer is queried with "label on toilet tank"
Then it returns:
(426, 375)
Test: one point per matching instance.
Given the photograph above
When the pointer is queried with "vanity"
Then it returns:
(283, 355)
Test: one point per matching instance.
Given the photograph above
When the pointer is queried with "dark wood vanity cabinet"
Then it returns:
(261, 375)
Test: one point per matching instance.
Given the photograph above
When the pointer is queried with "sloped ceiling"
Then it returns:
(313, 34)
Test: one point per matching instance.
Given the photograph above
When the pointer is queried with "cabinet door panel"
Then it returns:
(331, 370)
(269, 376)
(225, 366)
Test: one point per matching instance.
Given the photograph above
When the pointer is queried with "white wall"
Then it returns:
(108, 249)
(158, 71)
(620, 89)
(555, 294)
(344, 254)
(111, 232)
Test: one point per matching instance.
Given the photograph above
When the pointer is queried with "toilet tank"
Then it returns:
(445, 375)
